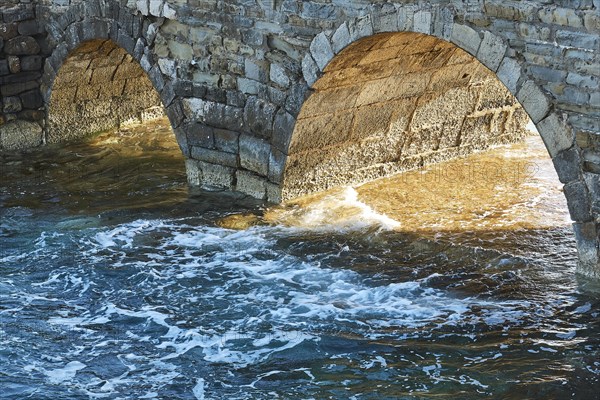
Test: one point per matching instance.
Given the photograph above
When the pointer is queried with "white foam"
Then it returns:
(66, 373)
(198, 390)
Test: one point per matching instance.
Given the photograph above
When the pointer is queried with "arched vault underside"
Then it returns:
(393, 102)
(99, 87)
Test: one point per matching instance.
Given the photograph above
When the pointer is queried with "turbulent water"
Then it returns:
(117, 281)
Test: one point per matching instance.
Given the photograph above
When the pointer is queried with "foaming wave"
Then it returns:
(339, 210)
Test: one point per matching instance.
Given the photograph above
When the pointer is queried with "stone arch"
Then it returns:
(499, 59)
(103, 52)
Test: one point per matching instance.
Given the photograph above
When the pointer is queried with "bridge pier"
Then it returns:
(245, 85)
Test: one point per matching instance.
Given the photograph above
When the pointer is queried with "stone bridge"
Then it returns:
(278, 98)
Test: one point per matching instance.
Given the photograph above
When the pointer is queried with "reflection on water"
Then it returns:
(116, 281)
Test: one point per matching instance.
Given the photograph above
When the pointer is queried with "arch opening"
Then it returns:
(99, 87)
(393, 102)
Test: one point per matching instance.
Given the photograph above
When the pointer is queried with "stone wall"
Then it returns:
(393, 102)
(22, 50)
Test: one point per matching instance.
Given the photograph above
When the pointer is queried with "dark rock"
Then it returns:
(8, 31)
(14, 64)
(258, 116)
(11, 105)
(20, 77)
(32, 99)
(567, 164)
(31, 63)
(30, 28)
(32, 115)
(578, 201)
(4, 68)
(22, 45)
(16, 88)
(17, 14)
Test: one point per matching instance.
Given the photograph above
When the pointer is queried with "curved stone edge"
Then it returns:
(108, 21)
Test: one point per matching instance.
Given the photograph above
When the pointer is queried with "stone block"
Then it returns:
(17, 14)
(578, 201)
(556, 134)
(31, 63)
(509, 73)
(32, 99)
(321, 50)
(466, 38)
(583, 81)
(274, 193)
(226, 140)
(16, 88)
(19, 134)
(534, 101)
(277, 161)
(251, 184)
(11, 104)
(278, 75)
(360, 28)
(30, 28)
(14, 64)
(248, 86)
(214, 156)
(310, 70)
(283, 128)
(199, 135)
(588, 251)
(422, 22)
(560, 16)
(491, 51)
(254, 154)
(387, 19)
(8, 30)
(22, 46)
(258, 116)
(567, 164)
(255, 70)
(4, 70)
(341, 38)
(209, 175)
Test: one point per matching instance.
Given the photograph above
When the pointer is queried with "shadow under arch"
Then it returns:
(392, 102)
(99, 87)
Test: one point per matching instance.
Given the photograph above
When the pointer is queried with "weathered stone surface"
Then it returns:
(491, 51)
(568, 165)
(466, 38)
(254, 154)
(586, 235)
(11, 105)
(22, 45)
(258, 116)
(209, 175)
(19, 134)
(8, 30)
(214, 156)
(578, 201)
(14, 64)
(31, 63)
(321, 50)
(556, 134)
(535, 102)
(251, 184)
(310, 70)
